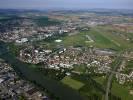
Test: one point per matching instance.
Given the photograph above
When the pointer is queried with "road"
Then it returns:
(109, 82)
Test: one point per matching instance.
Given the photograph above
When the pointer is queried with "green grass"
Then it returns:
(129, 64)
(100, 40)
(72, 83)
(100, 80)
(117, 89)
(91, 89)
(77, 39)
(45, 21)
(80, 68)
(100, 35)
(121, 91)
(116, 39)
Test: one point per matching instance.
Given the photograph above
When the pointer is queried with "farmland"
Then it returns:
(72, 83)
(122, 91)
(101, 38)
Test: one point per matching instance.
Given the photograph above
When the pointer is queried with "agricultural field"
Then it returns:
(86, 87)
(45, 21)
(80, 69)
(98, 37)
(72, 83)
(121, 91)
(91, 89)
(112, 34)
(100, 80)
(80, 39)
(117, 89)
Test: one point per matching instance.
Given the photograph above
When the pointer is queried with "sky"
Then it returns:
(66, 4)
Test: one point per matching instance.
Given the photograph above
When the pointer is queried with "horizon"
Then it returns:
(66, 5)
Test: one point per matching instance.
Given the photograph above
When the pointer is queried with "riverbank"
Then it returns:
(29, 73)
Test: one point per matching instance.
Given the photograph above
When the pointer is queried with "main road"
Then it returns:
(109, 82)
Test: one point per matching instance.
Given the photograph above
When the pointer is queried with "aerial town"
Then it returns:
(71, 50)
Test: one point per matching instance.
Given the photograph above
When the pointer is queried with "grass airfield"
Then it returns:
(101, 39)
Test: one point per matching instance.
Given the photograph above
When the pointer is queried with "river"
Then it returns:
(31, 74)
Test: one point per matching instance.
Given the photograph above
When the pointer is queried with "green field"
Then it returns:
(80, 69)
(101, 37)
(100, 80)
(80, 39)
(91, 90)
(116, 39)
(86, 87)
(45, 21)
(117, 89)
(100, 40)
(121, 91)
(129, 64)
(72, 83)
